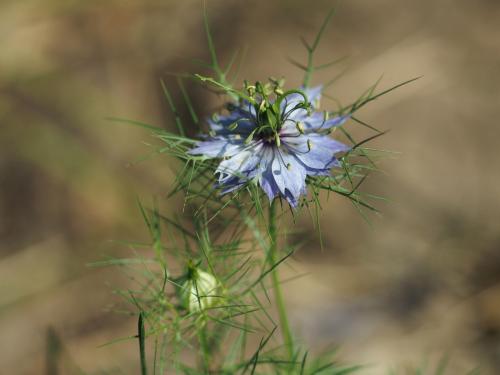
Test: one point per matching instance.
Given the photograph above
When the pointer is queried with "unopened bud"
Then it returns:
(200, 291)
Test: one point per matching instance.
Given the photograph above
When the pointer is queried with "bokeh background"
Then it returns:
(420, 283)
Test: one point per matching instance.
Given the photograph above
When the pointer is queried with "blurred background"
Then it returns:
(420, 283)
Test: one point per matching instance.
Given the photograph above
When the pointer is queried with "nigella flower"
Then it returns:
(275, 139)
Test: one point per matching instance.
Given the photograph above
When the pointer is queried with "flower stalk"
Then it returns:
(278, 294)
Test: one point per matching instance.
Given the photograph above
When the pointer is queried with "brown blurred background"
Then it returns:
(421, 283)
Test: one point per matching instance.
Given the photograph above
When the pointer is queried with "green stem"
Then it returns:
(310, 69)
(142, 347)
(205, 351)
(278, 294)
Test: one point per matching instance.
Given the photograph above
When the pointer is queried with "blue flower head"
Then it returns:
(273, 138)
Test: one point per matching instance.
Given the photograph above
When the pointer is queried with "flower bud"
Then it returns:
(199, 292)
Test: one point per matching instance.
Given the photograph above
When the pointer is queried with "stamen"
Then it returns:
(309, 144)
(278, 140)
(262, 106)
(250, 137)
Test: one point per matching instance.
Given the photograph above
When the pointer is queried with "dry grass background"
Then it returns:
(422, 283)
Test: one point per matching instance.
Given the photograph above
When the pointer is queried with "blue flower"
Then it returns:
(273, 142)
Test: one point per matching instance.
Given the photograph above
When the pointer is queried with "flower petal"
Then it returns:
(265, 174)
(218, 147)
(314, 151)
(240, 164)
(289, 176)
(237, 121)
(310, 124)
(230, 185)
(318, 121)
(289, 104)
(314, 95)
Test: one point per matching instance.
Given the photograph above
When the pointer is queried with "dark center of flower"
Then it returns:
(272, 110)
(269, 139)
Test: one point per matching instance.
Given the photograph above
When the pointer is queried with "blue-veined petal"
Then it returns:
(236, 122)
(289, 176)
(265, 173)
(218, 147)
(240, 164)
(318, 121)
(313, 150)
(313, 95)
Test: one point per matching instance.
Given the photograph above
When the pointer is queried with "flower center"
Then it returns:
(270, 139)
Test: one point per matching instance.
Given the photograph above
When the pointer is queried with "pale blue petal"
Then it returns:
(289, 176)
(218, 147)
(310, 124)
(240, 164)
(231, 185)
(317, 121)
(265, 175)
(236, 122)
(314, 151)
(314, 95)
